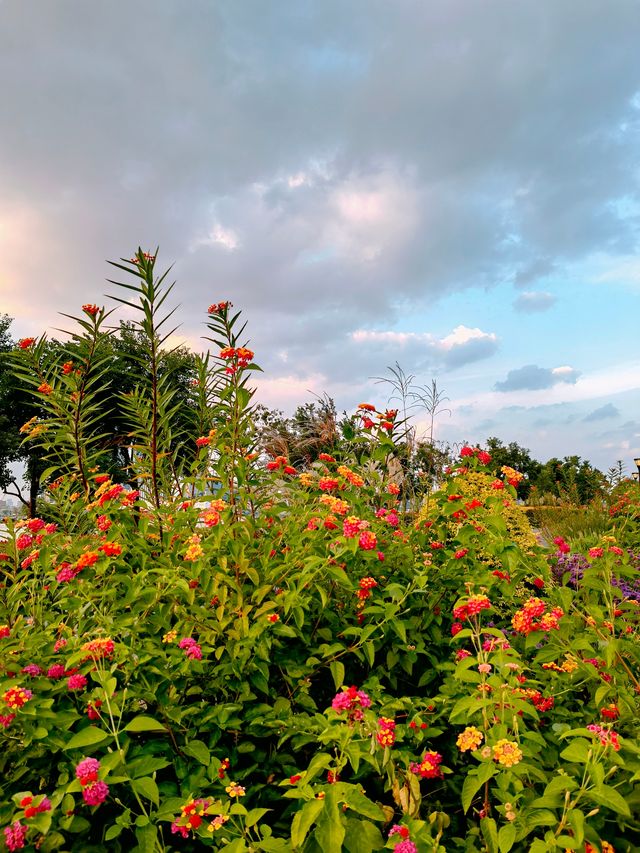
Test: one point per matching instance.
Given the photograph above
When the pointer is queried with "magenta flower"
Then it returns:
(56, 671)
(32, 669)
(76, 682)
(95, 793)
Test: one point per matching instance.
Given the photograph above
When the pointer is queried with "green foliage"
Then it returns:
(262, 659)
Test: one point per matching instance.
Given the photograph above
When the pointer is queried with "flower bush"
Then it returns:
(227, 652)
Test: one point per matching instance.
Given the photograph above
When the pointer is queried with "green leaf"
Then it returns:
(198, 750)
(113, 832)
(506, 837)
(607, 796)
(361, 836)
(255, 815)
(87, 737)
(578, 750)
(146, 837)
(474, 781)
(304, 820)
(147, 788)
(337, 672)
(490, 833)
(144, 724)
(352, 796)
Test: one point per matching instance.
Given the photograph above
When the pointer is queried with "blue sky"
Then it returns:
(450, 185)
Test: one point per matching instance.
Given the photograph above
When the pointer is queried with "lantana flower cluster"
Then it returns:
(534, 616)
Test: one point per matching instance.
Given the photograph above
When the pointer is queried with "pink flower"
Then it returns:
(15, 836)
(76, 682)
(596, 552)
(193, 652)
(405, 847)
(6, 720)
(56, 671)
(87, 771)
(32, 669)
(186, 643)
(351, 700)
(484, 667)
(95, 793)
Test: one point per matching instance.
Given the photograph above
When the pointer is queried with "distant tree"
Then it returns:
(571, 478)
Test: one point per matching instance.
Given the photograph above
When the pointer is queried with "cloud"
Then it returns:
(602, 413)
(462, 346)
(534, 378)
(532, 301)
(248, 141)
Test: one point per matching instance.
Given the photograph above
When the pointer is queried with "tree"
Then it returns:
(123, 372)
(571, 478)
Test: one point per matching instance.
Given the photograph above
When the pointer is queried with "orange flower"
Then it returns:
(45, 388)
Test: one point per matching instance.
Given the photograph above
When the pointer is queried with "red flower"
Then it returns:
(111, 549)
(45, 388)
(461, 553)
(295, 778)
(466, 451)
(92, 310)
(539, 583)
(26, 343)
(483, 457)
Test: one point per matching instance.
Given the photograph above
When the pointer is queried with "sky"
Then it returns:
(448, 185)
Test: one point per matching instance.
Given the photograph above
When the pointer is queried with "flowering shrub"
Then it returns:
(227, 652)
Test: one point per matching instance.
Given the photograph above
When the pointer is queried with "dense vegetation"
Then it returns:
(206, 645)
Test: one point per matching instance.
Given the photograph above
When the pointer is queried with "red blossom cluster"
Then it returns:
(471, 607)
(281, 462)
(236, 357)
(481, 455)
(351, 700)
(219, 307)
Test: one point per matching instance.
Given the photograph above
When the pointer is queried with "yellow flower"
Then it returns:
(470, 738)
(235, 790)
(507, 752)
(170, 636)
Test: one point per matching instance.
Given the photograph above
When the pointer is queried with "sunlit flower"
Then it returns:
(469, 739)
(507, 752)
